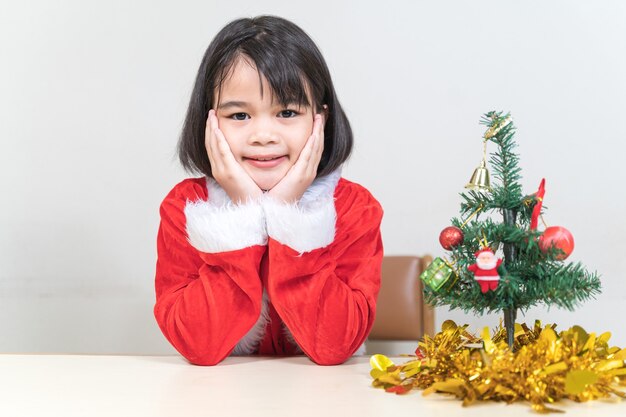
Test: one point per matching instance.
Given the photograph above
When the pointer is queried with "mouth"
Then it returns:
(265, 161)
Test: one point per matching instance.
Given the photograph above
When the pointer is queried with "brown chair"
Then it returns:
(401, 313)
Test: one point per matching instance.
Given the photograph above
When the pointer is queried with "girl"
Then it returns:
(270, 252)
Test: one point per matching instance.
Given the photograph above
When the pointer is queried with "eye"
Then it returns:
(288, 113)
(239, 116)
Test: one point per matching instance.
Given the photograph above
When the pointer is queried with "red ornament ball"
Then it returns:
(558, 237)
(451, 236)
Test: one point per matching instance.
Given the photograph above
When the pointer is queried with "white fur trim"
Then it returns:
(308, 224)
(321, 187)
(250, 342)
(217, 195)
(218, 225)
(301, 229)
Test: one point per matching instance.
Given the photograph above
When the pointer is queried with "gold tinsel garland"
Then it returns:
(543, 367)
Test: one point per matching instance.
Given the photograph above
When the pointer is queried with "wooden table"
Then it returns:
(136, 386)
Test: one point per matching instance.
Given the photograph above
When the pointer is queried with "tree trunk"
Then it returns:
(510, 216)
(509, 324)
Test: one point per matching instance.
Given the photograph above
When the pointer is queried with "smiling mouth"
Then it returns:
(265, 161)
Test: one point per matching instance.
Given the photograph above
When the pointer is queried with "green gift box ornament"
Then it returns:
(439, 275)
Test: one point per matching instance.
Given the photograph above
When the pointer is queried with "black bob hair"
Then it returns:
(292, 64)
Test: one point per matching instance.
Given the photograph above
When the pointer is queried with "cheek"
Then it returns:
(302, 136)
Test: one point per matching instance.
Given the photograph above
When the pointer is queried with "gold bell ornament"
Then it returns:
(480, 178)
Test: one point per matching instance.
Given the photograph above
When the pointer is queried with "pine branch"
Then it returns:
(530, 276)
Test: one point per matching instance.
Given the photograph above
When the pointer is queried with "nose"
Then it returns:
(263, 132)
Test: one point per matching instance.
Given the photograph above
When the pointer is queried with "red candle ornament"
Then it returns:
(451, 236)
(558, 237)
(538, 204)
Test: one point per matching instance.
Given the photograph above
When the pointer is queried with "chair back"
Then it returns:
(401, 313)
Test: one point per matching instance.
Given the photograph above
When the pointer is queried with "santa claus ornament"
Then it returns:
(485, 269)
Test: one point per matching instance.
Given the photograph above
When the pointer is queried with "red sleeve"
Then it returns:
(205, 302)
(327, 296)
(473, 268)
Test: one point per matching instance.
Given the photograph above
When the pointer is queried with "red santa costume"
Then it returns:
(266, 277)
(486, 269)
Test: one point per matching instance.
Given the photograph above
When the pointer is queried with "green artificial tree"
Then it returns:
(532, 270)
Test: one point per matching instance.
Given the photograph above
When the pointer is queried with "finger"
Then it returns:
(213, 144)
(208, 116)
(207, 128)
(318, 146)
(320, 136)
(208, 136)
(211, 123)
(222, 147)
(307, 151)
(318, 140)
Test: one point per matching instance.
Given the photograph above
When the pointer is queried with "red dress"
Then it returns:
(265, 277)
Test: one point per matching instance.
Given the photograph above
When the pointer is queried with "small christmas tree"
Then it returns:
(532, 271)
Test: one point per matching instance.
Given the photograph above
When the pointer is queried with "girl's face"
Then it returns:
(265, 137)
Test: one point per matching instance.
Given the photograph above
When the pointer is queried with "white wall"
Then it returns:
(92, 97)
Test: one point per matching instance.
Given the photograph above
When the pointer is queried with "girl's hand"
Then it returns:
(225, 169)
(303, 172)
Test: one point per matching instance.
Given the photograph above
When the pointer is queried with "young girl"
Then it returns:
(270, 252)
